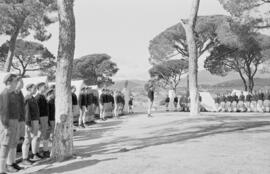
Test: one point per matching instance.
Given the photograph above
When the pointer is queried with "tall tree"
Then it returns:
(256, 11)
(169, 72)
(243, 56)
(173, 41)
(20, 17)
(193, 59)
(29, 56)
(63, 140)
(95, 69)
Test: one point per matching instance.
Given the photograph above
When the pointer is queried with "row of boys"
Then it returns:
(107, 102)
(256, 102)
(32, 115)
(183, 101)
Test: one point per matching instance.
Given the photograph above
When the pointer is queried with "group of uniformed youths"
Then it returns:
(109, 103)
(32, 115)
(183, 101)
(259, 101)
(88, 102)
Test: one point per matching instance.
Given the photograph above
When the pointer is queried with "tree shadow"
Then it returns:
(170, 135)
(96, 131)
(71, 166)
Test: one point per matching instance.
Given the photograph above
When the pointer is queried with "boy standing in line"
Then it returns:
(175, 102)
(150, 100)
(130, 105)
(44, 119)
(82, 105)
(31, 126)
(51, 111)
(102, 101)
(167, 101)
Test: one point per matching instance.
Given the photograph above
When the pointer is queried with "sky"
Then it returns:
(123, 29)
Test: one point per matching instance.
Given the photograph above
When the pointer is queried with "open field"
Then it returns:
(213, 143)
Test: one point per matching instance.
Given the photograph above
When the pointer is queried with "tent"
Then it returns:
(34, 80)
(208, 102)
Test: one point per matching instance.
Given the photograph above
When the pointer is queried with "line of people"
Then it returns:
(108, 103)
(182, 101)
(256, 102)
(31, 116)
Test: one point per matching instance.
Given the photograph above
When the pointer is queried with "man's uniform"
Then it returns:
(253, 105)
(248, 102)
(102, 99)
(167, 101)
(175, 102)
(217, 103)
(234, 103)
(44, 120)
(229, 103)
(267, 102)
(90, 106)
(51, 111)
(260, 106)
(241, 106)
(32, 118)
(223, 103)
(182, 103)
(9, 126)
(82, 105)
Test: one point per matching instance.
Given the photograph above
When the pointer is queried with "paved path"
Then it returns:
(171, 143)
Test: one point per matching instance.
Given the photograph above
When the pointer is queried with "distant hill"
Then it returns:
(131, 84)
(259, 82)
(206, 78)
(207, 81)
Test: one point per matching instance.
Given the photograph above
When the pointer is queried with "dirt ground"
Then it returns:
(171, 143)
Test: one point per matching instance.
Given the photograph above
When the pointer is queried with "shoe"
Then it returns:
(26, 162)
(11, 169)
(82, 126)
(3, 173)
(36, 157)
(16, 166)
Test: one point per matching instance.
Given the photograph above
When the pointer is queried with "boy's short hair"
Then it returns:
(49, 92)
(29, 86)
(39, 85)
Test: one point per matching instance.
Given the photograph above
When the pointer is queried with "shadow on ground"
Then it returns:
(222, 125)
(71, 166)
(211, 126)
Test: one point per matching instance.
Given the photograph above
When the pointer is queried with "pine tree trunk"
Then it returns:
(250, 84)
(11, 50)
(187, 84)
(193, 60)
(63, 140)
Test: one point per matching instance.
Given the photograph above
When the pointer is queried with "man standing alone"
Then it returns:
(150, 100)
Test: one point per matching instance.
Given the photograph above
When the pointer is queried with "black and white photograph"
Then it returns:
(135, 86)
